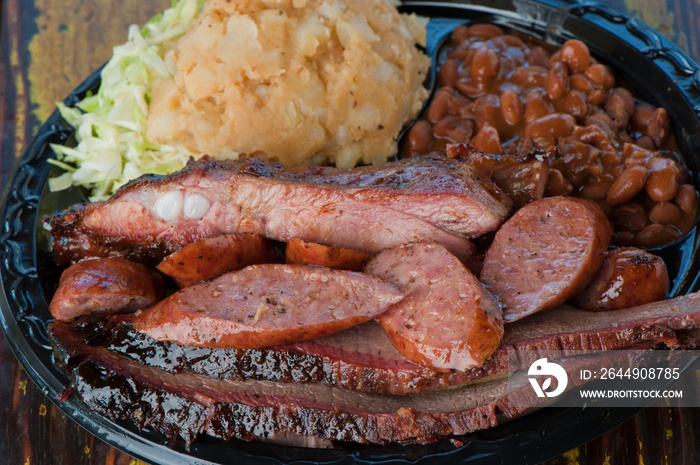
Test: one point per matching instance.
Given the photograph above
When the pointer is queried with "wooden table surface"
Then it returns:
(50, 46)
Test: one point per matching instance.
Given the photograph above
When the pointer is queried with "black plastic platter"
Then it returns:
(660, 72)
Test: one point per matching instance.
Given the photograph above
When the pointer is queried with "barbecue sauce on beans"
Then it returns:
(507, 92)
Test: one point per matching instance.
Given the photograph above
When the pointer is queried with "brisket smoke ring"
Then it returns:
(363, 358)
(186, 405)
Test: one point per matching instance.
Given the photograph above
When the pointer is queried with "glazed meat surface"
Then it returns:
(267, 305)
(186, 405)
(448, 320)
(105, 285)
(546, 253)
(209, 258)
(363, 358)
(367, 208)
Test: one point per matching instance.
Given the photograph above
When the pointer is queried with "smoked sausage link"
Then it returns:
(299, 252)
(546, 253)
(448, 321)
(266, 305)
(105, 285)
(629, 277)
(209, 258)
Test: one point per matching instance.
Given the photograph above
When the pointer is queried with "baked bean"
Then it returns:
(627, 185)
(485, 64)
(538, 56)
(604, 122)
(507, 42)
(420, 137)
(487, 111)
(664, 178)
(448, 124)
(645, 142)
(530, 76)
(666, 213)
(557, 184)
(469, 87)
(460, 105)
(579, 81)
(596, 189)
(631, 216)
(642, 117)
(536, 107)
(461, 55)
(575, 104)
(687, 198)
(597, 97)
(545, 131)
(448, 73)
(656, 235)
(610, 148)
(576, 55)
(554, 58)
(623, 238)
(557, 81)
(511, 107)
(488, 140)
(438, 107)
(460, 34)
(659, 126)
(485, 30)
(461, 133)
(620, 106)
(627, 99)
(600, 75)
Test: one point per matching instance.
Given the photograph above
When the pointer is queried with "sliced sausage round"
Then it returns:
(267, 305)
(105, 285)
(629, 277)
(448, 321)
(208, 258)
(546, 253)
(300, 252)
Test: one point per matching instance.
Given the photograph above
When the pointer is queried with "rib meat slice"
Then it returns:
(363, 358)
(367, 208)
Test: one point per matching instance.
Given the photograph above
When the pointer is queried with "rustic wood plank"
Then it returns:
(81, 37)
(48, 48)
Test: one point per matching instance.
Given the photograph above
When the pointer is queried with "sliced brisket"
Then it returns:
(187, 405)
(363, 358)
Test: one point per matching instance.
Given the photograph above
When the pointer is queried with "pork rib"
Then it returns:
(367, 208)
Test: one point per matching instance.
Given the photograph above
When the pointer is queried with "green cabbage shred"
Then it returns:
(110, 126)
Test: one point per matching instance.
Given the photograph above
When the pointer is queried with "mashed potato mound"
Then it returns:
(299, 81)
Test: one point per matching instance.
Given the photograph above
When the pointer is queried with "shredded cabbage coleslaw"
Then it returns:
(110, 126)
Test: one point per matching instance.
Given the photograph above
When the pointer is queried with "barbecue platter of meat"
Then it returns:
(393, 304)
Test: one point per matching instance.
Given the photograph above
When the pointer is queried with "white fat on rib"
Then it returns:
(196, 206)
(168, 205)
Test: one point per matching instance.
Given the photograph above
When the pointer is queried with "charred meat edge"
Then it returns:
(362, 358)
(187, 405)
